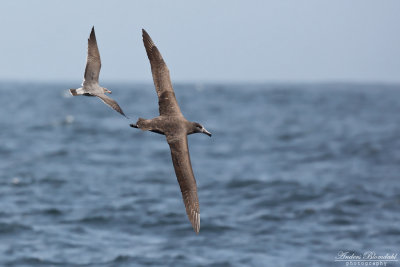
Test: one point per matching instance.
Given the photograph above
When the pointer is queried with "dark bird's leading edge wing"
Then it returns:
(184, 173)
(110, 102)
(166, 96)
(93, 62)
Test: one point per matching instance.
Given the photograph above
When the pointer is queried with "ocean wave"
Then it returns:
(13, 228)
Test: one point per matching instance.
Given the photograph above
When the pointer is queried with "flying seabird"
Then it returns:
(90, 85)
(175, 127)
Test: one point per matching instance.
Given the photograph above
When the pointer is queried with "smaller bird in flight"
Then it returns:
(90, 85)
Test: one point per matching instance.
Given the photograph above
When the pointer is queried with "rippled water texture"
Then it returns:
(292, 175)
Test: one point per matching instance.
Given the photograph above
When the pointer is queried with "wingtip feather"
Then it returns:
(151, 49)
(123, 114)
(92, 34)
(196, 223)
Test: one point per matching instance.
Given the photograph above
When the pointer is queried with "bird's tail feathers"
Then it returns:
(74, 92)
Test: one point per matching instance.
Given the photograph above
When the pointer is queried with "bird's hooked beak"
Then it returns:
(108, 91)
(204, 131)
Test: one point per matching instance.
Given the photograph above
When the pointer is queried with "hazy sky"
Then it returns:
(209, 40)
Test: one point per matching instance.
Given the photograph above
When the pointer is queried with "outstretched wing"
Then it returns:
(184, 173)
(166, 97)
(93, 62)
(110, 102)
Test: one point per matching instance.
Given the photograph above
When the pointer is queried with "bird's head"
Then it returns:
(106, 90)
(198, 128)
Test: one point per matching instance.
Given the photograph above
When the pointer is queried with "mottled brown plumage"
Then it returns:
(175, 127)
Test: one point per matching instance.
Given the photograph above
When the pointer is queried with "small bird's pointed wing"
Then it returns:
(184, 173)
(110, 102)
(93, 62)
(166, 97)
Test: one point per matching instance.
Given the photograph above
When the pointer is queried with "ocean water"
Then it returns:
(293, 174)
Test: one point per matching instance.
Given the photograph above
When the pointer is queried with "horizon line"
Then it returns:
(217, 82)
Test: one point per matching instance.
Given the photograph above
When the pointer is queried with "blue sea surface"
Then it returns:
(293, 174)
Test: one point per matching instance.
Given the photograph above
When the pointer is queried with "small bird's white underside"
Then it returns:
(89, 88)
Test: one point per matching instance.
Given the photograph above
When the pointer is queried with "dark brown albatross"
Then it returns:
(175, 127)
(90, 85)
